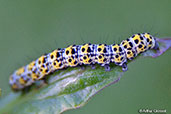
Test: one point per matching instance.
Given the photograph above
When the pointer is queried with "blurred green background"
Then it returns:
(30, 28)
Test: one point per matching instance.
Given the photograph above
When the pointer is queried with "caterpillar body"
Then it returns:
(86, 54)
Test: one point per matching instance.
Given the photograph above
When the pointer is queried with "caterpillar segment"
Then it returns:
(70, 56)
(86, 54)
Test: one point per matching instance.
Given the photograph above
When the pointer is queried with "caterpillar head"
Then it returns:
(156, 47)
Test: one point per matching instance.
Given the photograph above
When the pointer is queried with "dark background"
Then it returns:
(30, 28)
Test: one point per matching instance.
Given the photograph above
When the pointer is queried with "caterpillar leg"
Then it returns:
(93, 66)
(107, 67)
(41, 83)
(124, 67)
(82, 67)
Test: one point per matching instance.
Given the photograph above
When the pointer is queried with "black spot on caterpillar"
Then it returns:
(87, 54)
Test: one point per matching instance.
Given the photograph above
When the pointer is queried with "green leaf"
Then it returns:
(68, 89)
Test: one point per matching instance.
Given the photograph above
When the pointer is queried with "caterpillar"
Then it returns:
(86, 54)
